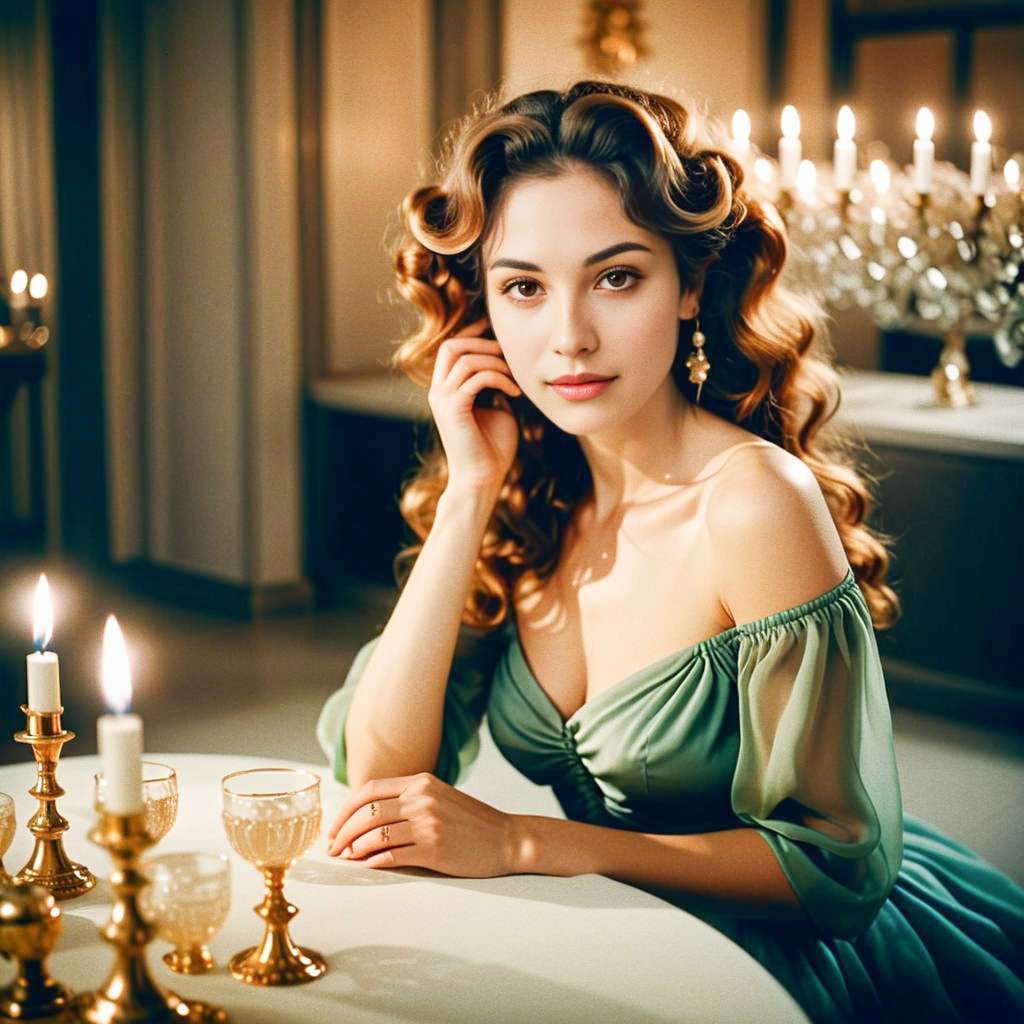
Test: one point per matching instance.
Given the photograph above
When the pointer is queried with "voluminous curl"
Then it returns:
(673, 171)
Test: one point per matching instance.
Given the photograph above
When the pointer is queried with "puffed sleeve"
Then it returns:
(465, 701)
(816, 772)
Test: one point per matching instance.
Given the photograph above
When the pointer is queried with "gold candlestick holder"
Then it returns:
(130, 995)
(49, 866)
(30, 926)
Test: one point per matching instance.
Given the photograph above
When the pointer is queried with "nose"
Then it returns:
(572, 333)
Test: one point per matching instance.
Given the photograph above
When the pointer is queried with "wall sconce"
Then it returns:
(612, 41)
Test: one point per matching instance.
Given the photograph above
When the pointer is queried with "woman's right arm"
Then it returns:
(394, 722)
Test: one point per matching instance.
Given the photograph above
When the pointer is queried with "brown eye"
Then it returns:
(521, 288)
(619, 279)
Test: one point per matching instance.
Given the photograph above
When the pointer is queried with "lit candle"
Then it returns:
(881, 176)
(43, 666)
(981, 153)
(924, 151)
(1011, 174)
(763, 170)
(806, 180)
(741, 133)
(119, 736)
(844, 152)
(790, 150)
(19, 285)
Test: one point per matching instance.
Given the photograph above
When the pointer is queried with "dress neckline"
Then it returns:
(682, 656)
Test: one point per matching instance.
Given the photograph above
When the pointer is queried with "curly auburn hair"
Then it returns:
(675, 177)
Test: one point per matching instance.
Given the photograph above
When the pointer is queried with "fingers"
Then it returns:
(383, 837)
(364, 819)
(374, 790)
(450, 350)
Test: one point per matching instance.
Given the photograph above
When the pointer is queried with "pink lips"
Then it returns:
(581, 387)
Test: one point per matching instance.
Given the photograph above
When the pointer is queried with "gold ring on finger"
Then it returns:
(385, 834)
(373, 810)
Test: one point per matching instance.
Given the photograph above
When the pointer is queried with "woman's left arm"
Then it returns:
(420, 821)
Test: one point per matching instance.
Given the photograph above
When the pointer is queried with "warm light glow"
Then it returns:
(763, 170)
(845, 123)
(19, 282)
(1011, 173)
(741, 127)
(790, 122)
(982, 126)
(806, 178)
(115, 676)
(38, 286)
(925, 124)
(881, 176)
(42, 615)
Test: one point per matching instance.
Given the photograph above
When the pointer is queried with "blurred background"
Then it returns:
(207, 441)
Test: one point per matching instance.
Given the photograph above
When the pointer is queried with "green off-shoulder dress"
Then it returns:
(781, 725)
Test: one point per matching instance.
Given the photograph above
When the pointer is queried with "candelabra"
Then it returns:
(48, 865)
(21, 310)
(130, 995)
(947, 260)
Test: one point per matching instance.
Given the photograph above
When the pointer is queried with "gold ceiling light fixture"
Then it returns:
(612, 41)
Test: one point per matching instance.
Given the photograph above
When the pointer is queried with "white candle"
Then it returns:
(42, 666)
(806, 180)
(924, 151)
(119, 736)
(981, 153)
(741, 133)
(844, 152)
(790, 150)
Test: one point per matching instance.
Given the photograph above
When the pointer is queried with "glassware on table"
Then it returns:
(272, 819)
(8, 824)
(187, 898)
(159, 797)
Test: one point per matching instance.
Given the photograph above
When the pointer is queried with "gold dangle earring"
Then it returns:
(697, 363)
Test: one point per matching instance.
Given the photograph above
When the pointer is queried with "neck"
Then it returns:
(644, 458)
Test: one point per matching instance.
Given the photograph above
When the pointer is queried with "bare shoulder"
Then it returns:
(774, 542)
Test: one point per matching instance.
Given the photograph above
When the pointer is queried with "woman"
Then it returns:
(642, 559)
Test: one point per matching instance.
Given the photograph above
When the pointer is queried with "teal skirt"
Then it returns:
(948, 945)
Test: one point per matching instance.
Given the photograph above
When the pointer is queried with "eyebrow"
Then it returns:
(598, 257)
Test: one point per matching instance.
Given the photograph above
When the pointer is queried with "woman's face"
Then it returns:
(584, 303)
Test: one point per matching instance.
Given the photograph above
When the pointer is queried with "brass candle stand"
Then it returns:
(130, 995)
(30, 926)
(49, 866)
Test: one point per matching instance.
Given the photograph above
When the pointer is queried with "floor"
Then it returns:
(255, 688)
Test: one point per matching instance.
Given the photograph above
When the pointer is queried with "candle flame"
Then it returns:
(115, 675)
(982, 126)
(763, 170)
(845, 123)
(1011, 173)
(881, 176)
(741, 127)
(19, 282)
(38, 286)
(790, 122)
(925, 124)
(42, 615)
(806, 178)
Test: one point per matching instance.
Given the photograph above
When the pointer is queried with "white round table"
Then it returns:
(411, 945)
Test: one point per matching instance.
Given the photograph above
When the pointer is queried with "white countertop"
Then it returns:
(409, 946)
(889, 408)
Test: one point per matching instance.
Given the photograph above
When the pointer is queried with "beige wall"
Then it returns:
(201, 288)
(376, 123)
(712, 50)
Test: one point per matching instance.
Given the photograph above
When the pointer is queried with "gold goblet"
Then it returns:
(7, 828)
(188, 899)
(272, 819)
(159, 797)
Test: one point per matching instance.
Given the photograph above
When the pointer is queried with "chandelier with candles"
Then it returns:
(919, 246)
(21, 311)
